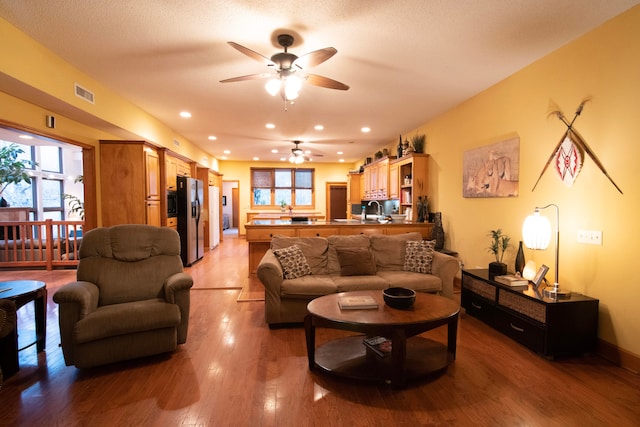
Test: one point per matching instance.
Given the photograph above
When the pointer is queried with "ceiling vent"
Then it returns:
(83, 93)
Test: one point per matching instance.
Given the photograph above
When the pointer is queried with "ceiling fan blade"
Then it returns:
(314, 58)
(251, 54)
(249, 77)
(326, 82)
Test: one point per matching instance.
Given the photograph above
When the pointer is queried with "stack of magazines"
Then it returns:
(379, 345)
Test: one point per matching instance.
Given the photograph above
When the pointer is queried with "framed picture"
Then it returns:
(492, 170)
(224, 200)
(542, 271)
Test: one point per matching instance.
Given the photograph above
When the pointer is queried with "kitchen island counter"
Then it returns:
(260, 232)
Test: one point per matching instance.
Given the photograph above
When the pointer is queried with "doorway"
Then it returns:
(336, 200)
(230, 206)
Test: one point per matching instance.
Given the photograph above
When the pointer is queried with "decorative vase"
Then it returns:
(3, 203)
(520, 259)
(400, 147)
(422, 206)
(437, 232)
(497, 269)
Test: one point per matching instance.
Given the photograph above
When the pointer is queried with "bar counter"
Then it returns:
(260, 232)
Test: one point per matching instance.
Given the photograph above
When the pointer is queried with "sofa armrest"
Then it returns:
(271, 275)
(76, 300)
(177, 289)
(446, 268)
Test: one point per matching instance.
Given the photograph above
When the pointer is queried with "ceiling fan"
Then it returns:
(289, 69)
(298, 156)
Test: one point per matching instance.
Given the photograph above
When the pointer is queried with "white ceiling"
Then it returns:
(406, 61)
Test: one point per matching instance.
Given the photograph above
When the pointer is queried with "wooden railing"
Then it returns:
(41, 244)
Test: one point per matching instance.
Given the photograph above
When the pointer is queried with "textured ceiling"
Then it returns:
(406, 61)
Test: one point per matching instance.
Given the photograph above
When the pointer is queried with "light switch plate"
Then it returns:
(590, 237)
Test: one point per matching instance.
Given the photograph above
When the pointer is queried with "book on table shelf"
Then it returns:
(379, 345)
(357, 302)
(513, 281)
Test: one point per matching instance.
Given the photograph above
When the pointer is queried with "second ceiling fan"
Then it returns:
(289, 69)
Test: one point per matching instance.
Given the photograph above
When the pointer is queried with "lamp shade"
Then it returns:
(536, 231)
(273, 86)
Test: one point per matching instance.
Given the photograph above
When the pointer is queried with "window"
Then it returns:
(273, 187)
(21, 195)
(51, 158)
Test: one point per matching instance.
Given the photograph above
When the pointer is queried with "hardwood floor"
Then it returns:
(235, 371)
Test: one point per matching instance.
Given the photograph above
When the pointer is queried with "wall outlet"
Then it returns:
(590, 237)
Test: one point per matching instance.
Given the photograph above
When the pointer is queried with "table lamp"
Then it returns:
(536, 233)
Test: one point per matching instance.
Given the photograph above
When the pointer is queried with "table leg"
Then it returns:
(310, 334)
(452, 329)
(40, 306)
(398, 358)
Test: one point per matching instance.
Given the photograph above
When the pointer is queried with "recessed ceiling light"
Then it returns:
(284, 159)
(339, 153)
(185, 114)
(227, 152)
(365, 129)
(270, 126)
(341, 160)
(274, 151)
(212, 138)
(256, 158)
(318, 127)
(223, 157)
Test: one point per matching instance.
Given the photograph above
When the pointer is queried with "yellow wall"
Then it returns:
(604, 65)
(240, 171)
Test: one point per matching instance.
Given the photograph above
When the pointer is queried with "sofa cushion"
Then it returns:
(355, 262)
(359, 283)
(419, 255)
(314, 285)
(415, 281)
(389, 251)
(293, 262)
(351, 241)
(313, 248)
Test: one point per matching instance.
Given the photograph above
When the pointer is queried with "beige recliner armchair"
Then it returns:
(131, 297)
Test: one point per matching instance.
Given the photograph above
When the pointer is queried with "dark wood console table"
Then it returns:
(549, 327)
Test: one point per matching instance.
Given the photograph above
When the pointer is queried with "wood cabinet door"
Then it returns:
(172, 173)
(394, 186)
(152, 175)
(153, 212)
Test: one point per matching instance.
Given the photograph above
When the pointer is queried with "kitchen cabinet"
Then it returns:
(394, 185)
(130, 175)
(376, 180)
(413, 178)
(175, 167)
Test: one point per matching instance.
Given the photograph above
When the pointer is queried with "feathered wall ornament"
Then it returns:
(568, 154)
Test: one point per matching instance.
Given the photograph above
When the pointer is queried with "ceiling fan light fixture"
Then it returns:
(292, 86)
(273, 86)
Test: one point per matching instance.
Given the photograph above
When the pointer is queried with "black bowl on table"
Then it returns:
(400, 298)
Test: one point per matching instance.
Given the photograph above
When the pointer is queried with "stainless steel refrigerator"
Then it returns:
(190, 219)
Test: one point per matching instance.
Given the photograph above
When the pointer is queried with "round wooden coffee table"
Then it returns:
(409, 359)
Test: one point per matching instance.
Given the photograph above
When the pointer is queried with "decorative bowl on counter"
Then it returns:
(398, 218)
(400, 298)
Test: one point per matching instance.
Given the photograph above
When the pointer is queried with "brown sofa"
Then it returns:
(286, 299)
(131, 298)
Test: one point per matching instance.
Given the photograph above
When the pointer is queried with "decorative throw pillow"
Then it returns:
(418, 256)
(293, 262)
(355, 262)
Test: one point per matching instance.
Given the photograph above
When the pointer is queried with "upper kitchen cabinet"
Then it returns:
(175, 167)
(376, 180)
(130, 174)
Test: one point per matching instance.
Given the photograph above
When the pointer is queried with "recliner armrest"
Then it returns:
(176, 283)
(84, 294)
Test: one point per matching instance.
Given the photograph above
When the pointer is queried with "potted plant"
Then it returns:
(418, 142)
(283, 205)
(76, 206)
(499, 244)
(12, 170)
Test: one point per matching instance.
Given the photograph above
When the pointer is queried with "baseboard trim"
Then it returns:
(619, 356)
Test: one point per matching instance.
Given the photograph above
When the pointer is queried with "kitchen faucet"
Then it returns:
(379, 206)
